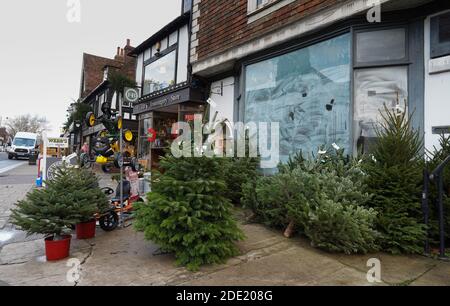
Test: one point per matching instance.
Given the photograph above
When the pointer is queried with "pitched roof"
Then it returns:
(93, 68)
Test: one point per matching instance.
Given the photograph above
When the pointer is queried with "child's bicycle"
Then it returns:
(109, 221)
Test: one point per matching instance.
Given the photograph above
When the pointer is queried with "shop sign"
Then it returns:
(59, 143)
(164, 101)
(438, 65)
(440, 130)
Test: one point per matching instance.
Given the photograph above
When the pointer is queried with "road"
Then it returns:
(7, 165)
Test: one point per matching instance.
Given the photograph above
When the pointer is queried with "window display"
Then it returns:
(308, 92)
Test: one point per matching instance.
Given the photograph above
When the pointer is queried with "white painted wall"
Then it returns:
(223, 103)
(183, 55)
(139, 69)
(437, 96)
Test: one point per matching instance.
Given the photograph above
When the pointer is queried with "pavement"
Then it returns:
(123, 257)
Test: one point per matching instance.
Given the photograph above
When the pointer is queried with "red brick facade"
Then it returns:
(224, 23)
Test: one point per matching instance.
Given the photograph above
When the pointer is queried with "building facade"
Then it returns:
(324, 69)
(95, 90)
(168, 93)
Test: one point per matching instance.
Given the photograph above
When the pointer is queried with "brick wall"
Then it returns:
(223, 24)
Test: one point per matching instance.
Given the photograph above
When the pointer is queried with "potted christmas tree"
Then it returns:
(52, 211)
(90, 200)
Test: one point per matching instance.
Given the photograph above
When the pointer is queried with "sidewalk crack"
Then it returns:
(91, 251)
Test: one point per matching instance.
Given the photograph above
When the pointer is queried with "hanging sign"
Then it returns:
(131, 95)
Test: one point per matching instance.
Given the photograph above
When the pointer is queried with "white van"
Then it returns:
(23, 145)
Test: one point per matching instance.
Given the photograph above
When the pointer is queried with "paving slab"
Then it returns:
(438, 276)
(395, 270)
(294, 266)
(24, 264)
(123, 257)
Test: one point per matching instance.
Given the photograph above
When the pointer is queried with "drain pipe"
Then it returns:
(438, 177)
(426, 208)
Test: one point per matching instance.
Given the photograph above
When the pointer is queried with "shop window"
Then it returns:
(160, 74)
(308, 92)
(440, 35)
(381, 46)
(374, 88)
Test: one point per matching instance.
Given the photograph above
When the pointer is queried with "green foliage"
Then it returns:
(336, 227)
(71, 197)
(238, 172)
(78, 115)
(118, 82)
(395, 177)
(323, 197)
(187, 213)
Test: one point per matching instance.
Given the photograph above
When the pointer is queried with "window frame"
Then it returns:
(403, 61)
(253, 8)
(167, 51)
(438, 49)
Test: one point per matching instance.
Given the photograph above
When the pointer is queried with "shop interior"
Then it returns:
(162, 122)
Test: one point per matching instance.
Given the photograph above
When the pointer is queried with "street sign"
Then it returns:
(131, 95)
(59, 143)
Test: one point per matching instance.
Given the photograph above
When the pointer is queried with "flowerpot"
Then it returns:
(57, 249)
(86, 230)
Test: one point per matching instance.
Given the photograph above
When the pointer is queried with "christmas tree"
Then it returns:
(73, 196)
(187, 213)
(395, 177)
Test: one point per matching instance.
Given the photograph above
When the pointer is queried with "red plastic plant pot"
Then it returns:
(57, 249)
(86, 230)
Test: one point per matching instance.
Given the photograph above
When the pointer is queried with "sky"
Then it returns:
(41, 47)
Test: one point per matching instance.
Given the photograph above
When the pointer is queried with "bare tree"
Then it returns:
(27, 123)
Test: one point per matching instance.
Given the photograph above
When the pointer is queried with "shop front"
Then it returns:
(158, 117)
(330, 89)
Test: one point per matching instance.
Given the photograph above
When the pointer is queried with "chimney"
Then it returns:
(120, 54)
(128, 42)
